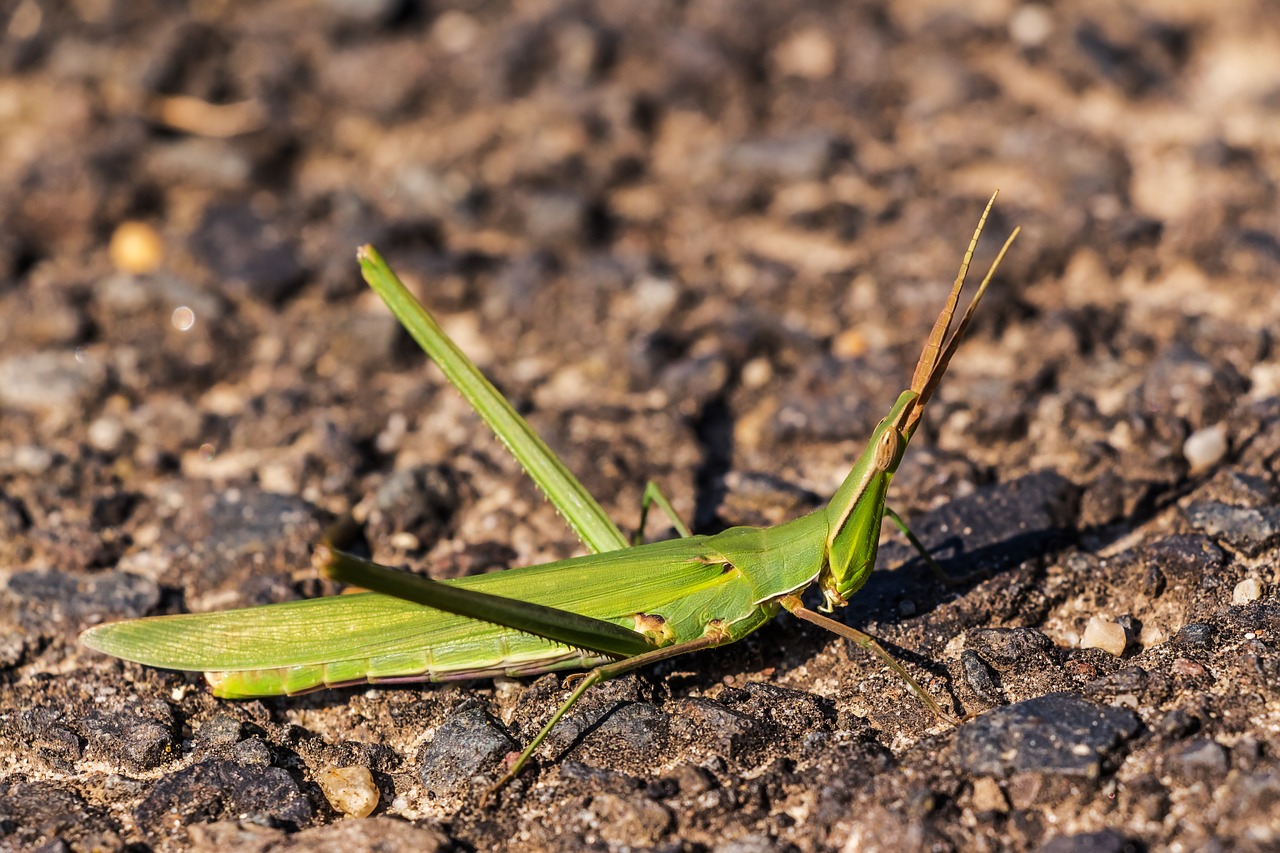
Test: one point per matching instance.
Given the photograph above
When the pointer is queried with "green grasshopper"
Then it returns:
(612, 611)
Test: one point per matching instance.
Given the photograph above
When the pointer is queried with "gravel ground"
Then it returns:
(699, 243)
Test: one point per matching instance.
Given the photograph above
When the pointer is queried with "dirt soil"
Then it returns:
(697, 243)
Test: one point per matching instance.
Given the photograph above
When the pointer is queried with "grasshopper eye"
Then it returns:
(888, 450)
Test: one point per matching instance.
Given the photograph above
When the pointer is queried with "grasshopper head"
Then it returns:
(855, 512)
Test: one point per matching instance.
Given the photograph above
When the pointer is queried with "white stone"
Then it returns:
(350, 790)
(1108, 636)
(1247, 590)
(1205, 448)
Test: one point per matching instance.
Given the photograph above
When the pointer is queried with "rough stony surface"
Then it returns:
(697, 243)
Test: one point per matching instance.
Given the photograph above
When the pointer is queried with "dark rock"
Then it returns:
(1132, 679)
(1058, 735)
(1242, 490)
(209, 535)
(693, 382)
(233, 834)
(419, 501)
(1153, 582)
(1185, 557)
(1111, 498)
(252, 750)
(1001, 525)
(14, 518)
(638, 728)
(705, 720)
(111, 594)
(1249, 530)
(692, 780)
(829, 400)
(220, 731)
(795, 157)
(789, 711)
(73, 546)
(663, 788)
(1194, 637)
(978, 676)
(365, 342)
(34, 812)
(112, 510)
(1126, 685)
(1201, 760)
(56, 744)
(1103, 841)
(597, 778)
(469, 745)
(213, 790)
(247, 254)
(365, 11)
(357, 75)
(1009, 646)
(628, 821)
(377, 757)
(142, 738)
(595, 710)
(1184, 385)
(1176, 724)
(758, 498)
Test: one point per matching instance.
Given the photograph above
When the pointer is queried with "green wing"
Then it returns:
(377, 637)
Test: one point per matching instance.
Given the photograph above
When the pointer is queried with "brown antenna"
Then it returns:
(936, 355)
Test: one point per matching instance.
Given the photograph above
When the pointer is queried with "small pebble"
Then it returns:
(350, 790)
(756, 373)
(655, 297)
(1031, 25)
(987, 796)
(456, 31)
(220, 731)
(1247, 590)
(849, 344)
(978, 676)
(252, 750)
(1195, 635)
(136, 248)
(1108, 636)
(1186, 668)
(106, 434)
(1205, 448)
(809, 53)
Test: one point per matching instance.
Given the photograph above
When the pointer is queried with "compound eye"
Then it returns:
(888, 449)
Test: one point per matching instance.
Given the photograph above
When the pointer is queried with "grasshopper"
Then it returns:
(617, 609)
